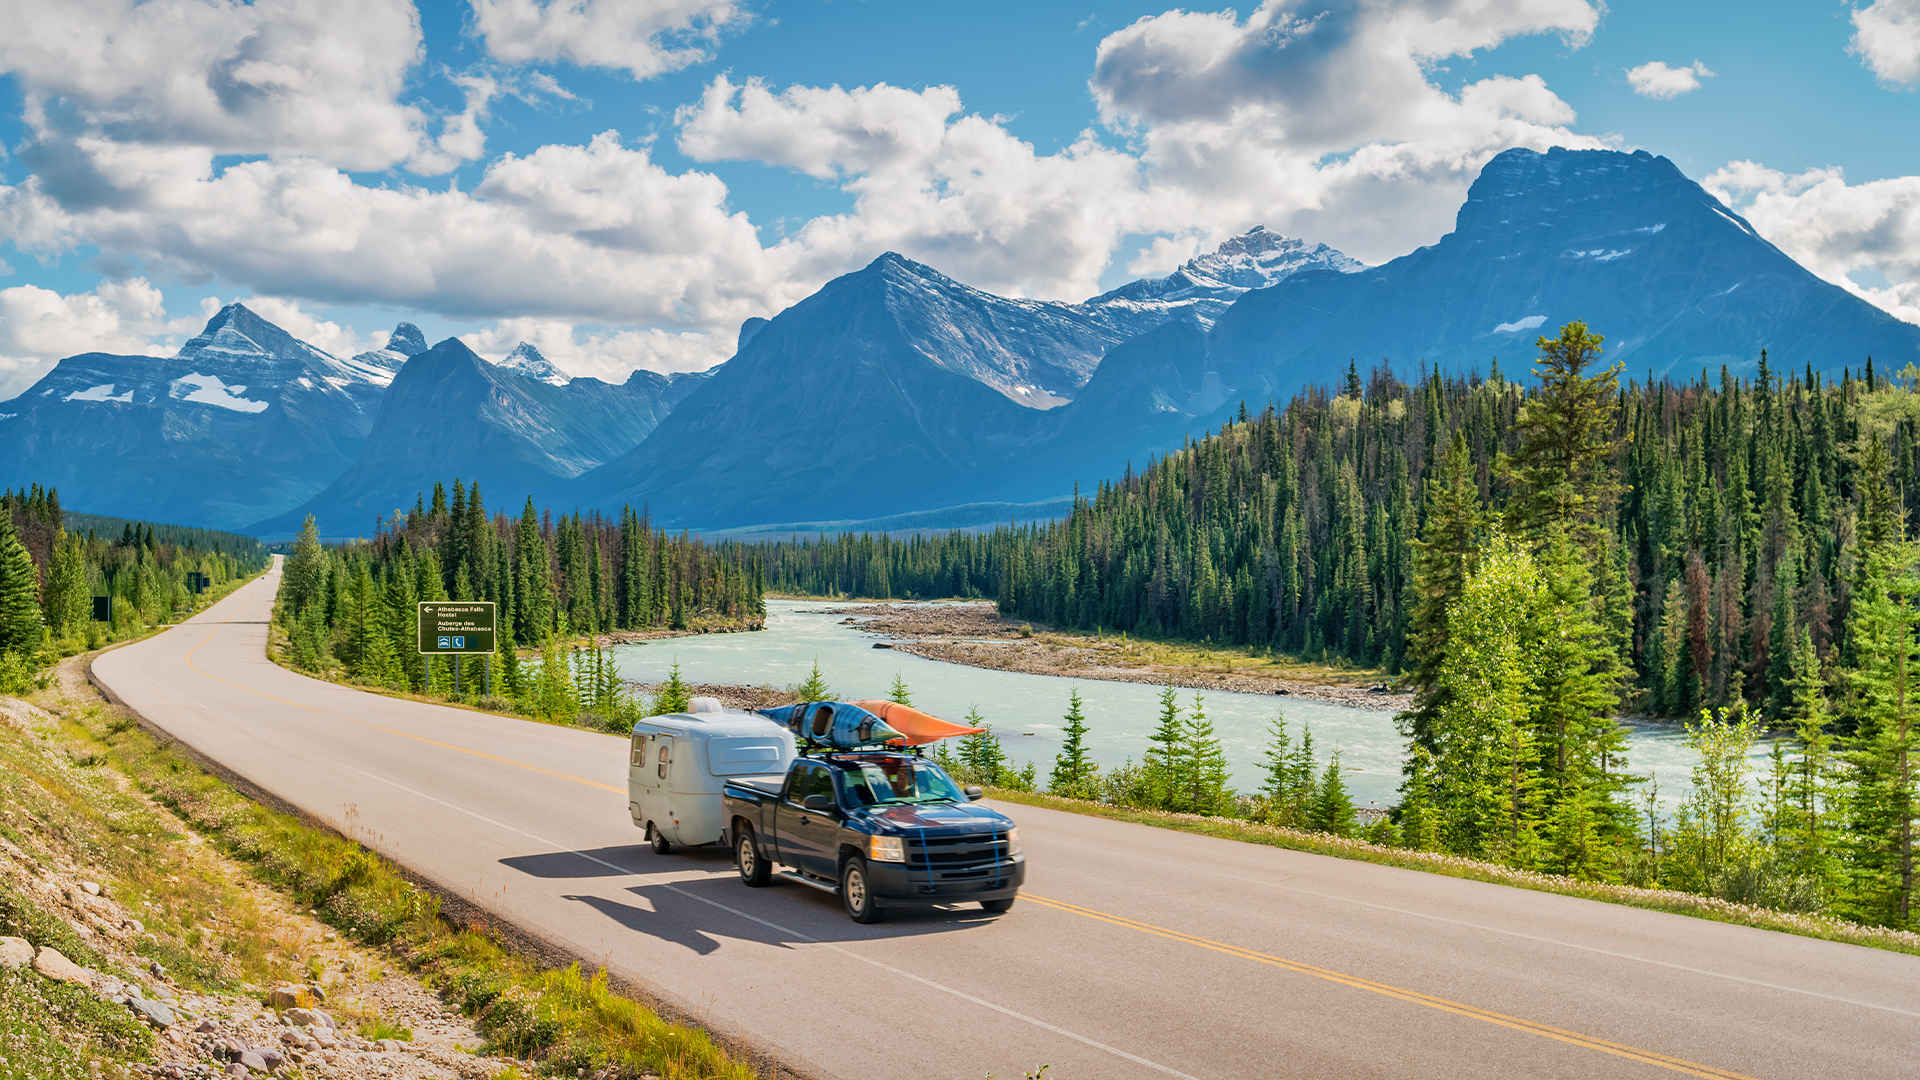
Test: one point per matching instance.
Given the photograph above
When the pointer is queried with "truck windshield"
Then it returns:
(878, 783)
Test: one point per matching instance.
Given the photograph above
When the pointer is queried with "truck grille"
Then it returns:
(959, 858)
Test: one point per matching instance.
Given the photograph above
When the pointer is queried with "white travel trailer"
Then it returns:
(677, 764)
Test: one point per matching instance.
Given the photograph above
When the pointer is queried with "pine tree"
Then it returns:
(1332, 807)
(1884, 681)
(1807, 833)
(981, 753)
(20, 618)
(1165, 760)
(1073, 767)
(1441, 562)
(815, 688)
(1203, 772)
(675, 695)
(899, 694)
(305, 570)
(1415, 815)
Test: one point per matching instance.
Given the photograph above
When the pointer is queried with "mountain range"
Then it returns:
(895, 390)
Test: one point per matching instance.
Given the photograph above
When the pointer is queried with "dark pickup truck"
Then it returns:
(881, 829)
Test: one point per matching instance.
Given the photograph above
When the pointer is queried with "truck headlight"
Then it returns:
(1013, 841)
(886, 849)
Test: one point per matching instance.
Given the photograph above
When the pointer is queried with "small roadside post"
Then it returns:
(457, 628)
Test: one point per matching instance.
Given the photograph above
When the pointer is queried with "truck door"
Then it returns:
(806, 836)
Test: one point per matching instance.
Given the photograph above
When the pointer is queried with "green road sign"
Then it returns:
(451, 627)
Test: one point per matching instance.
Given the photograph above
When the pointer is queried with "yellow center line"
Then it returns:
(391, 731)
(1574, 1038)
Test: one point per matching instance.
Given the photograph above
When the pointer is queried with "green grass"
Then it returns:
(376, 1029)
(565, 1020)
(1668, 900)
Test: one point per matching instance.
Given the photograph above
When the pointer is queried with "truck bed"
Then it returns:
(768, 786)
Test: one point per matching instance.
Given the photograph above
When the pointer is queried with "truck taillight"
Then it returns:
(886, 849)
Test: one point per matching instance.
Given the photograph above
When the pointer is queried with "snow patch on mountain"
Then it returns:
(210, 390)
(98, 393)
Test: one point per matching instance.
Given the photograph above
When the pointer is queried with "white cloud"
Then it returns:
(1834, 228)
(314, 78)
(956, 191)
(1319, 122)
(607, 355)
(1658, 81)
(642, 37)
(39, 326)
(1324, 121)
(594, 232)
(1886, 38)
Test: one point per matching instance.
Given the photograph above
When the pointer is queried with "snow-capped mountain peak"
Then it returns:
(405, 341)
(526, 361)
(1207, 283)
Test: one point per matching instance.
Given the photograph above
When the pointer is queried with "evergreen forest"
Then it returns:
(1533, 560)
(53, 565)
(352, 607)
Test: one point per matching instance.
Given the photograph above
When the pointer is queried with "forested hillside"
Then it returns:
(553, 578)
(52, 565)
(1292, 528)
(1534, 558)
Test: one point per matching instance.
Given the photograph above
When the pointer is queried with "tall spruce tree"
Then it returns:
(1074, 768)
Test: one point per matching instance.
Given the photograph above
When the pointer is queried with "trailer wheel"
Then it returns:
(754, 871)
(660, 844)
(855, 894)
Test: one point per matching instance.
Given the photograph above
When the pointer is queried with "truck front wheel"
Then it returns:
(997, 906)
(754, 871)
(855, 894)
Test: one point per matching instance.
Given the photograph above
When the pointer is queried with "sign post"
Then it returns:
(456, 628)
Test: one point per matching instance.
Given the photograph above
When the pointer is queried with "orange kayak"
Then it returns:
(918, 727)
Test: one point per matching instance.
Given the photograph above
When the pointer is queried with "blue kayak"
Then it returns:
(834, 723)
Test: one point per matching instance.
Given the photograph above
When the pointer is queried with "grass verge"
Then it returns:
(1677, 903)
(564, 1020)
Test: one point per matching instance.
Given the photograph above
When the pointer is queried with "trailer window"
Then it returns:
(639, 755)
(733, 757)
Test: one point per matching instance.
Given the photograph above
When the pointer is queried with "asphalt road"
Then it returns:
(1134, 952)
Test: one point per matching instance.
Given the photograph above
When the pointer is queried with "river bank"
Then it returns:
(974, 634)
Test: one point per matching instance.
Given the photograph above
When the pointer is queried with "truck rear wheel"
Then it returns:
(754, 871)
(660, 843)
(855, 894)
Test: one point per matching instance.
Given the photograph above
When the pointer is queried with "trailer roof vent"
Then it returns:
(706, 705)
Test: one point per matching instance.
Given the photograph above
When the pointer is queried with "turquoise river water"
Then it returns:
(1026, 709)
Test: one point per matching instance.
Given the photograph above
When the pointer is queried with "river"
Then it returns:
(1026, 710)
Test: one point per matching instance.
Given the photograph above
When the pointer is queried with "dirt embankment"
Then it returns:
(976, 635)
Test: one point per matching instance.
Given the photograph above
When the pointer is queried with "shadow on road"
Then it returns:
(673, 918)
(701, 913)
(629, 858)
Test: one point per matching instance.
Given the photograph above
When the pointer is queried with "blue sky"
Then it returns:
(344, 165)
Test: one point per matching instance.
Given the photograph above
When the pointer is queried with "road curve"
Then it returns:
(1135, 952)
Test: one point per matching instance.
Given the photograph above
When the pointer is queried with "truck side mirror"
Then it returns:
(819, 804)
(974, 792)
